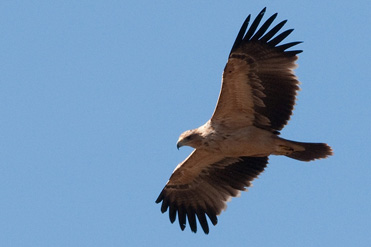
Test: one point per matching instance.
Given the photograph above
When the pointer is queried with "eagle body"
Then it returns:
(256, 100)
(242, 141)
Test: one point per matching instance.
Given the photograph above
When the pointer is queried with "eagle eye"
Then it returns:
(190, 137)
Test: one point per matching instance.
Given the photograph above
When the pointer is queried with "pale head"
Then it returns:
(190, 138)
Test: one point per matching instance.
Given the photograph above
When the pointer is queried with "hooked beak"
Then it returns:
(179, 144)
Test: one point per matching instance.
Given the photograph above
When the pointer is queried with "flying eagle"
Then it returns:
(256, 101)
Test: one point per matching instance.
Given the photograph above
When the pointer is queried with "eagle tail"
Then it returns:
(311, 151)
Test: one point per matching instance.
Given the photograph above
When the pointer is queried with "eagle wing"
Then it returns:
(203, 183)
(258, 85)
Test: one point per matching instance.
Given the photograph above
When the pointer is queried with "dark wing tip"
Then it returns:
(191, 215)
(275, 41)
(160, 197)
(254, 25)
(253, 34)
(203, 221)
(241, 33)
(262, 12)
(164, 206)
(165, 203)
(227, 175)
(272, 32)
(182, 217)
(172, 214)
(264, 28)
(293, 53)
(288, 45)
(188, 212)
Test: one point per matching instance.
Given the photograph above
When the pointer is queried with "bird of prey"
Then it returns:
(231, 149)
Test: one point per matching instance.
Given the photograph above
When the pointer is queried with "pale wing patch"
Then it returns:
(192, 166)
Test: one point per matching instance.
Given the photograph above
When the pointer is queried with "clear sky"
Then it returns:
(93, 97)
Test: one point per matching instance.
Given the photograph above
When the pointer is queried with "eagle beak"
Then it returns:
(179, 144)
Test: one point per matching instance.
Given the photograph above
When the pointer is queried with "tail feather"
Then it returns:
(312, 151)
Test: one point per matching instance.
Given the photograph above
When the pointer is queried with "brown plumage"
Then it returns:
(256, 101)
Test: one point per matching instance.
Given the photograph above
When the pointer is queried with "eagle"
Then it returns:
(231, 149)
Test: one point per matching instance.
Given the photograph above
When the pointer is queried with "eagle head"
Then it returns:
(189, 138)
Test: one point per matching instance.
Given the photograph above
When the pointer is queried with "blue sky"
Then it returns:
(94, 94)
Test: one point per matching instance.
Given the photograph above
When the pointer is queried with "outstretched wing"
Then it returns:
(203, 183)
(258, 86)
